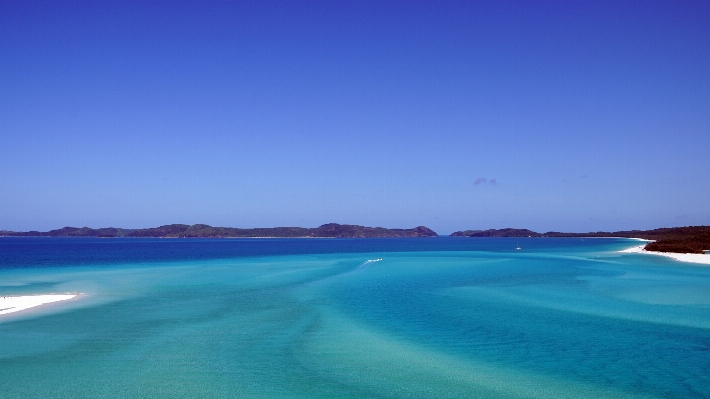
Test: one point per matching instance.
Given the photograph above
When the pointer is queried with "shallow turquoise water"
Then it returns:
(444, 317)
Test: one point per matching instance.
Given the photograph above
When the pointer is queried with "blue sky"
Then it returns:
(570, 115)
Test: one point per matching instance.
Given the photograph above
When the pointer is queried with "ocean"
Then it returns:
(447, 317)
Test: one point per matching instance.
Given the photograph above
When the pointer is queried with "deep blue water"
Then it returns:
(26, 252)
(436, 317)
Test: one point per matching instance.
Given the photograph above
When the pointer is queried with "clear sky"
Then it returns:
(569, 115)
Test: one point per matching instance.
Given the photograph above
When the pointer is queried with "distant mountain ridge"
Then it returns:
(205, 231)
(688, 239)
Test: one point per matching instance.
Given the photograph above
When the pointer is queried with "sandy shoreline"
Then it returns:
(12, 304)
(690, 258)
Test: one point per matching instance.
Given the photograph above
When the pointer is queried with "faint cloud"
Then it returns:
(483, 180)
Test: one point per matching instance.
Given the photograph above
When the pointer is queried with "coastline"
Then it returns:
(702, 259)
(13, 304)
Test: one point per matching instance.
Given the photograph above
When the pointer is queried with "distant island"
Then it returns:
(689, 239)
(332, 230)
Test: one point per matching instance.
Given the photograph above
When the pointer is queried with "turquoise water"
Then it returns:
(442, 317)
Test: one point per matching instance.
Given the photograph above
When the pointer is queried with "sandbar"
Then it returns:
(691, 258)
(12, 304)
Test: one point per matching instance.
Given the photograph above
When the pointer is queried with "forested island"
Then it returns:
(689, 239)
(332, 230)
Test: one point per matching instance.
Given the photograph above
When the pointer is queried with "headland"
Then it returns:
(330, 230)
(682, 257)
(681, 240)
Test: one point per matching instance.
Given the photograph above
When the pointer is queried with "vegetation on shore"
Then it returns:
(206, 231)
(690, 239)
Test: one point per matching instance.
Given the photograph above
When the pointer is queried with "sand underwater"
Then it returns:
(445, 317)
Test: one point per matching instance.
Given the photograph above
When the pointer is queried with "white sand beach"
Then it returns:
(691, 258)
(12, 304)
